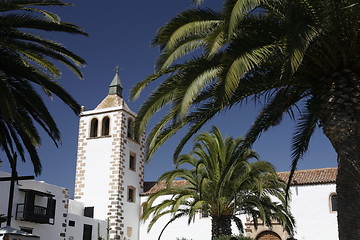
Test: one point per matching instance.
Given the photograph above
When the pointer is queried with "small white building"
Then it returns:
(46, 211)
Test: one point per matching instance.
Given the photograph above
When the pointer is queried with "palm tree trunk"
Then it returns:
(220, 226)
(340, 117)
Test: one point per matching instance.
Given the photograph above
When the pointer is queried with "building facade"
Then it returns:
(110, 164)
(313, 204)
(46, 210)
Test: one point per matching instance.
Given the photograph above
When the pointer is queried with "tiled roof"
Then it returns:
(153, 187)
(301, 177)
(311, 176)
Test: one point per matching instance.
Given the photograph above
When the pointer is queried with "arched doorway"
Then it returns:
(268, 235)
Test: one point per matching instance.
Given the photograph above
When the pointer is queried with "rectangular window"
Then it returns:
(131, 194)
(89, 212)
(132, 162)
(72, 223)
(26, 229)
(334, 207)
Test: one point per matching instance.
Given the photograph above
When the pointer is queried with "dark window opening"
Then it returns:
(130, 128)
(26, 229)
(105, 128)
(89, 212)
(87, 232)
(334, 206)
(71, 223)
(94, 128)
(132, 162)
(34, 210)
(131, 194)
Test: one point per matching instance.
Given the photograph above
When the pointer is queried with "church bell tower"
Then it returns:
(110, 164)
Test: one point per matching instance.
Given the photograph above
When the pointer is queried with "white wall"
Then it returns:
(76, 232)
(311, 207)
(76, 207)
(132, 178)
(200, 229)
(97, 177)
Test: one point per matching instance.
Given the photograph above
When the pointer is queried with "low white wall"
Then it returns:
(76, 232)
(200, 229)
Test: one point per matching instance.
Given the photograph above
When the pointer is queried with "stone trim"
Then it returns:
(80, 162)
(117, 166)
(89, 113)
(106, 136)
(252, 232)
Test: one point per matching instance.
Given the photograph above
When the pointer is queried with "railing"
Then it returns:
(33, 213)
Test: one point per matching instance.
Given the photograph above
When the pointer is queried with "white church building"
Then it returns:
(110, 190)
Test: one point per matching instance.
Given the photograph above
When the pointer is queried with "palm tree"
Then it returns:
(223, 183)
(298, 57)
(27, 63)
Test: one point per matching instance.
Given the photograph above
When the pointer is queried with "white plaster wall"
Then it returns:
(76, 232)
(200, 229)
(311, 207)
(132, 178)
(97, 168)
(76, 207)
(4, 196)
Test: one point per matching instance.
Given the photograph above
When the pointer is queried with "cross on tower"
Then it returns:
(117, 69)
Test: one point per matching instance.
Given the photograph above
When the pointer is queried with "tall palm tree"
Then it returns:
(300, 57)
(27, 63)
(223, 183)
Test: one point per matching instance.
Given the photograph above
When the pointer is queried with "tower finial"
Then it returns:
(116, 69)
(115, 85)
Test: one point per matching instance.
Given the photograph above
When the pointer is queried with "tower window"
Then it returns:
(132, 162)
(131, 194)
(94, 127)
(130, 128)
(71, 223)
(105, 127)
(333, 202)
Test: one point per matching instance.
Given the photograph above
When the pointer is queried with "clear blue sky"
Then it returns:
(120, 34)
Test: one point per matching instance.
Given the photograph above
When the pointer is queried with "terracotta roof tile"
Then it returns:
(301, 177)
(153, 187)
(311, 176)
